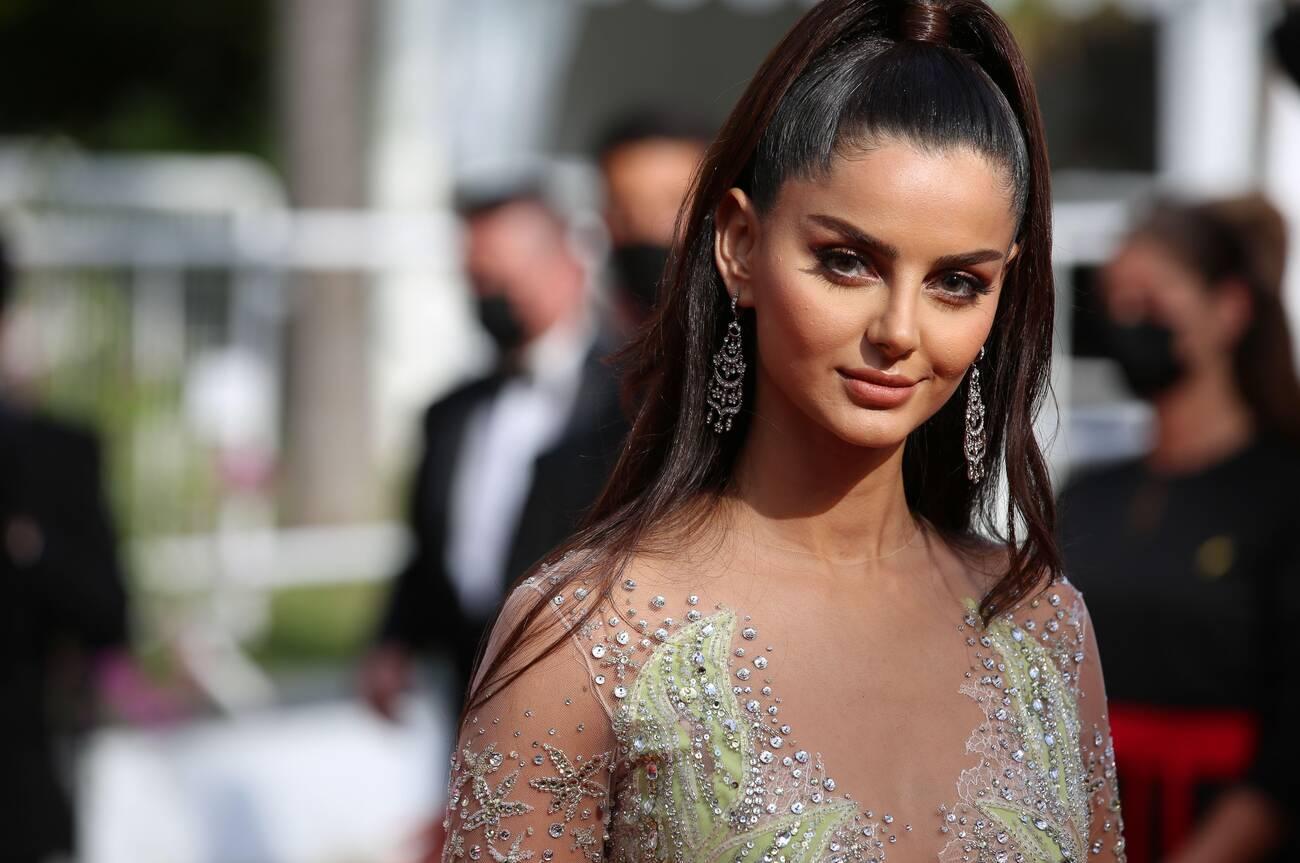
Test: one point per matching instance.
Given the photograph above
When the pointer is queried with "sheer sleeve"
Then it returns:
(1105, 838)
(530, 777)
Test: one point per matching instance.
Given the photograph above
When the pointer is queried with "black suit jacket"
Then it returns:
(63, 587)
(422, 611)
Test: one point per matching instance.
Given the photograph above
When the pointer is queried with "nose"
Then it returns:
(894, 332)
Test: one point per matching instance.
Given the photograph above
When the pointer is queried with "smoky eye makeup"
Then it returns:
(846, 256)
(842, 265)
(962, 285)
(845, 267)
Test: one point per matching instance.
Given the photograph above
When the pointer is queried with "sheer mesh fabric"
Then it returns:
(700, 721)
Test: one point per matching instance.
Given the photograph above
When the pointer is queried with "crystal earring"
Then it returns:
(726, 388)
(975, 440)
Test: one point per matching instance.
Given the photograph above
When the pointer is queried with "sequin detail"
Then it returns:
(693, 756)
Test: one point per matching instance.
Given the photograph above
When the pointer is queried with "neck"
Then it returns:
(802, 489)
(1202, 420)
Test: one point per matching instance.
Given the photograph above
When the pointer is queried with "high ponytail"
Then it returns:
(943, 73)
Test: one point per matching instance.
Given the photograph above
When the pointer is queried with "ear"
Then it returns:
(1011, 255)
(735, 238)
(1235, 309)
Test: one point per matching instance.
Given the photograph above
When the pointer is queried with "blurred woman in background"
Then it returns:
(1190, 556)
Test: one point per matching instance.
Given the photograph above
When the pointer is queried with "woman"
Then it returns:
(779, 637)
(1196, 546)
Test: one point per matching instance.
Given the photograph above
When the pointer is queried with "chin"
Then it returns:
(875, 431)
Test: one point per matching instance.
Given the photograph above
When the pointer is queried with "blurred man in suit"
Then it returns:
(61, 590)
(501, 481)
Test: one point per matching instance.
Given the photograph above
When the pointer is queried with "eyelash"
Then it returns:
(972, 285)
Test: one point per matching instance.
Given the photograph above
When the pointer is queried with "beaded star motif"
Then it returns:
(572, 783)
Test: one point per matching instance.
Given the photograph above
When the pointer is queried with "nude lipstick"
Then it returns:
(871, 388)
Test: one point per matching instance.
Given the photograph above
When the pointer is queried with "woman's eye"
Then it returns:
(840, 262)
(962, 285)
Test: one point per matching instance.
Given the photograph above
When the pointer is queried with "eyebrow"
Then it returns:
(859, 237)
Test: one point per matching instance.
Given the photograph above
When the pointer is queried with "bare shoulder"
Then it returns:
(1052, 607)
(656, 569)
(973, 566)
(681, 556)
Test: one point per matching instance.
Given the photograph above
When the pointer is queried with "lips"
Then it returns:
(873, 389)
(874, 376)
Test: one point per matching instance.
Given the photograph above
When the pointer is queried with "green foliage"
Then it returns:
(138, 74)
(319, 625)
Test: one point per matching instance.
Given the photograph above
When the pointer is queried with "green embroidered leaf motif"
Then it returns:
(1022, 835)
(1048, 717)
(687, 732)
(793, 838)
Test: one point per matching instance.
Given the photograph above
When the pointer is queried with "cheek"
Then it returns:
(531, 308)
(1122, 302)
(950, 351)
(1187, 314)
(953, 337)
(535, 294)
(802, 323)
(950, 354)
(1177, 301)
(1199, 332)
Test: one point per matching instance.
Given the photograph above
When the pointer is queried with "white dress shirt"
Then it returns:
(494, 468)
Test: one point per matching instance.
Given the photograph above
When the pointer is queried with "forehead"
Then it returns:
(649, 162)
(519, 225)
(1142, 261)
(911, 197)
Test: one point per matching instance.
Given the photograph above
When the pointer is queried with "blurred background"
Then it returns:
(236, 251)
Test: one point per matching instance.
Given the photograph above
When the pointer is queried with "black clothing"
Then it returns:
(423, 612)
(59, 583)
(1193, 583)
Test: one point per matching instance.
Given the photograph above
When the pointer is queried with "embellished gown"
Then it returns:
(671, 725)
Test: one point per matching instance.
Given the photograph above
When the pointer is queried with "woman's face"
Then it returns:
(1144, 282)
(873, 287)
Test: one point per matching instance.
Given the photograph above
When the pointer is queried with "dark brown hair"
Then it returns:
(939, 74)
(1243, 240)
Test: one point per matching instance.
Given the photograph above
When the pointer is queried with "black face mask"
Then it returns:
(1145, 353)
(639, 267)
(1286, 41)
(500, 321)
